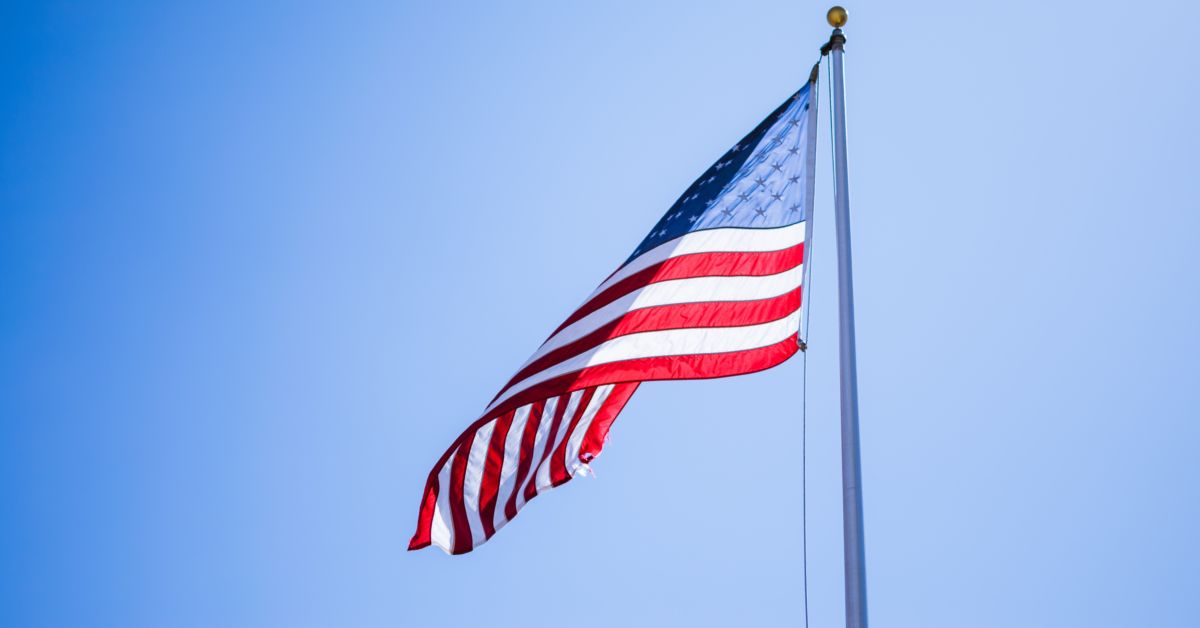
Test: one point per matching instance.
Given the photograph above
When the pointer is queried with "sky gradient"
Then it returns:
(260, 264)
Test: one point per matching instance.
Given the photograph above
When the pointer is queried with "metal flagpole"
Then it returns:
(852, 517)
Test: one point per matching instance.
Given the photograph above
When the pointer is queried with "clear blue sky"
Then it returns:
(259, 264)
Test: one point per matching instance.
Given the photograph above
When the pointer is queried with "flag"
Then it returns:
(714, 290)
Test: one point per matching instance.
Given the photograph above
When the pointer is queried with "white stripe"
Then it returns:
(674, 292)
(727, 240)
(512, 454)
(441, 530)
(543, 470)
(669, 342)
(539, 444)
(473, 479)
(572, 454)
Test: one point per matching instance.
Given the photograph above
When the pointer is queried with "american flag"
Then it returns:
(714, 290)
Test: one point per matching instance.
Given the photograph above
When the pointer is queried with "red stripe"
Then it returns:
(490, 484)
(693, 366)
(597, 434)
(664, 317)
(425, 513)
(559, 409)
(433, 489)
(558, 467)
(458, 471)
(525, 460)
(724, 264)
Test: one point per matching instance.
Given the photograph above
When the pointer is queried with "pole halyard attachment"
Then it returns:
(852, 513)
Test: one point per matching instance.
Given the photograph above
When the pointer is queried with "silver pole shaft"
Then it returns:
(852, 517)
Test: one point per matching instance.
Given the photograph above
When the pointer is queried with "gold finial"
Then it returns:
(837, 17)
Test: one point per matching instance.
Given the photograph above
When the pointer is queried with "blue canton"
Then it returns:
(759, 183)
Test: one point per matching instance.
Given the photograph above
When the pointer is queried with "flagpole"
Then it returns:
(852, 515)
